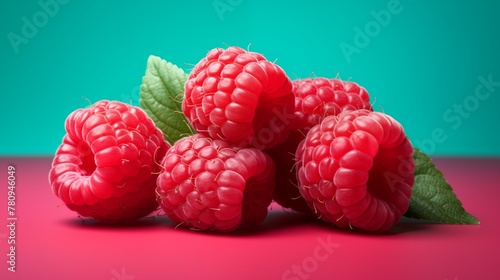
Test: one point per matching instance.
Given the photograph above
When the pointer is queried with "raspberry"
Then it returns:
(286, 192)
(106, 164)
(356, 170)
(320, 97)
(240, 97)
(315, 99)
(210, 185)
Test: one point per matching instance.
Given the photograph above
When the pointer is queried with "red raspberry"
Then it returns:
(356, 170)
(320, 97)
(287, 192)
(315, 99)
(106, 166)
(210, 185)
(240, 97)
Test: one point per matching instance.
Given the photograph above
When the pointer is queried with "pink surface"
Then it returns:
(53, 243)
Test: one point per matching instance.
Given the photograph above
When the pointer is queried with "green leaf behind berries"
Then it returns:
(161, 96)
(432, 197)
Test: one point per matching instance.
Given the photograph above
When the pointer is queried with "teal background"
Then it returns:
(421, 64)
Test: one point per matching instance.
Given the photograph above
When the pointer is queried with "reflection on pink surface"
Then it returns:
(53, 243)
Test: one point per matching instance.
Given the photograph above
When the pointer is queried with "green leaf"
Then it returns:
(161, 96)
(432, 197)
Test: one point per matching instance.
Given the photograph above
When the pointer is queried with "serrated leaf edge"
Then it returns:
(154, 68)
(465, 216)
